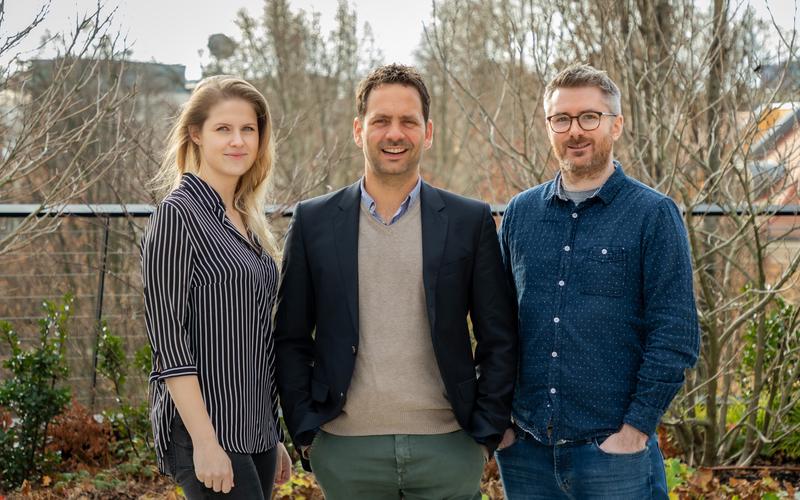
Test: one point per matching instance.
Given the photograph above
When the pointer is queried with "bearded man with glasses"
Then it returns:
(601, 269)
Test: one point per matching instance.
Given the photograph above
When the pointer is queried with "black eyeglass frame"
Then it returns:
(573, 117)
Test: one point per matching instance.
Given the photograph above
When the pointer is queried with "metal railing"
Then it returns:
(141, 210)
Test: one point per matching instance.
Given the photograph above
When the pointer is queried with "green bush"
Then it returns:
(781, 342)
(780, 327)
(678, 473)
(790, 443)
(130, 424)
(32, 396)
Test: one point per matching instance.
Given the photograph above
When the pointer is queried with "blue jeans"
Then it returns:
(580, 470)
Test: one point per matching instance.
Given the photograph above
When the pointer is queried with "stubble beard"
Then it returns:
(601, 156)
(386, 172)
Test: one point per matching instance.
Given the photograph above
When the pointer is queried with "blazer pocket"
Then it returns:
(319, 391)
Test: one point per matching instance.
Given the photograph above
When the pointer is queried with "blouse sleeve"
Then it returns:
(166, 273)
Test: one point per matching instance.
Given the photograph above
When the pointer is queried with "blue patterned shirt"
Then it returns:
(607, 317)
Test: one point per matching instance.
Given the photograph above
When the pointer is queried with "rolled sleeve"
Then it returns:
(166, 273)
(670, 315)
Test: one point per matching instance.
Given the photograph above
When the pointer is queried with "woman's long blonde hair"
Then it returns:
(183, 155)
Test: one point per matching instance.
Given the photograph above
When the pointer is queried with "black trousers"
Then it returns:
(253, 474)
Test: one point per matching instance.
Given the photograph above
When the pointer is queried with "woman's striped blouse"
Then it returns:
(209, 295)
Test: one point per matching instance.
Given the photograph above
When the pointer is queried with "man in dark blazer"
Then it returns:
(382, 388)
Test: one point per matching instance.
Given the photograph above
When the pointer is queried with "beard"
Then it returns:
(600, 156)
(390, 168)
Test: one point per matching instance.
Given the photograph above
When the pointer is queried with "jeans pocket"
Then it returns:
(517, 437)
(636, 454)
(614, 475)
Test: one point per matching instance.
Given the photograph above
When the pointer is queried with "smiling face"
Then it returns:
(227, 140)
(393, 132)
(579, 152)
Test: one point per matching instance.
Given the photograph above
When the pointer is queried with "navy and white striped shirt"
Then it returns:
(209, 294)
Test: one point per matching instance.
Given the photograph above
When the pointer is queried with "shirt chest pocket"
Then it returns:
(602, 271)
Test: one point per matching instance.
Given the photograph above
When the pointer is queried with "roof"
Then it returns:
(778, 120)
(145, 76)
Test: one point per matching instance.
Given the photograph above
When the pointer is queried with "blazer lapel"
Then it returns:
(434, 237)
(346, 238)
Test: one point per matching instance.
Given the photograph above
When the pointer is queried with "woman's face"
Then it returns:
(228, 139)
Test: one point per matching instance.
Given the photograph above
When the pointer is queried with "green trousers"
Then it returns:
(430, 467)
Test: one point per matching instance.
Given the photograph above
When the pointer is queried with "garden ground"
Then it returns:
(753, 483)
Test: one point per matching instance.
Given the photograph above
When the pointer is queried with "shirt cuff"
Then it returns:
(644, 418)
(176, 371)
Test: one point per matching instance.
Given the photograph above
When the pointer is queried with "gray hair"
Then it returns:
(584, 75)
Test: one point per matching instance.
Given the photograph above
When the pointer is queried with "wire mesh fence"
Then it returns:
(95, 260)
(93, 255)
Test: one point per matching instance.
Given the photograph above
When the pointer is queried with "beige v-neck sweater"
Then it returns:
(396, 386)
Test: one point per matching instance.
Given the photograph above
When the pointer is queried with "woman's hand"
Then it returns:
(212, 466)
(283, 468)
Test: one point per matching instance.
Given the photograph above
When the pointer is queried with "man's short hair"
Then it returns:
(584, 75)
(392, 73)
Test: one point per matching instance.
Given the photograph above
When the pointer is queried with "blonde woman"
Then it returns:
(209, 287)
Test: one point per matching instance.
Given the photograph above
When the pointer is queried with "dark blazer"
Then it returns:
(316, 325)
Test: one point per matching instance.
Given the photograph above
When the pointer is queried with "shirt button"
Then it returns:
(556, 320)
(574, 215)
(354, 349)
(553, 390)
(561, 283)
(566, 248)
(554, 354)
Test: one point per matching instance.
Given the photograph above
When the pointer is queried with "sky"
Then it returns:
(174, 31)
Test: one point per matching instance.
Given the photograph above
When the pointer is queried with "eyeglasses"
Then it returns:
(588, 121)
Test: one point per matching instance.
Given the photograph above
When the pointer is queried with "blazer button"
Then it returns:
(341, 395)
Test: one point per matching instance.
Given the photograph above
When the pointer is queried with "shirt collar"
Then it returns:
(605, 193)
(369, 202)
(614, 183)
(211, 199)
(202, 191)
(559, 188)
